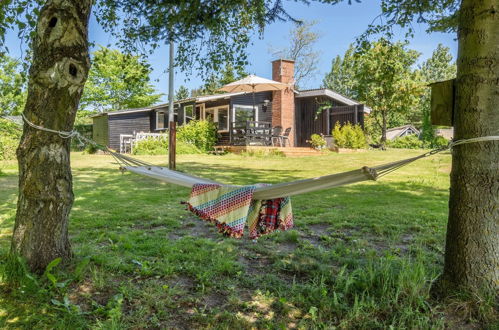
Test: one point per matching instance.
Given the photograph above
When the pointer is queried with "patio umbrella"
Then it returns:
(253, 84)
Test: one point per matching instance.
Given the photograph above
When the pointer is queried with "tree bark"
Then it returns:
(57, 75)
(383, 127)
(472, 244)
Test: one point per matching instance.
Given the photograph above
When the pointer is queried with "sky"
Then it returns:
(338, 26)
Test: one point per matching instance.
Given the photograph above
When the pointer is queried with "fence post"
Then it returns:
(172, 145)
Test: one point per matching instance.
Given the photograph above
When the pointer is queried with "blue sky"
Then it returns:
(338, 26)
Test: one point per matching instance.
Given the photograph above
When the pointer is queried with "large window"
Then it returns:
(244, 113)
(189, 113)
(219, 116)
(160, 120)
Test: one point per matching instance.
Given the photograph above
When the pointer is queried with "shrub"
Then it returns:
(8, 146)
(160, 147)
(349, 136)
(317, 141)
(9, 139)
(201, 133)
(406, 142)
(439, 142)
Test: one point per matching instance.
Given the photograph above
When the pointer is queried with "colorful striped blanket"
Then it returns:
(233, 208)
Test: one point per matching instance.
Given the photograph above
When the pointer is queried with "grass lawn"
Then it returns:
(360, 256)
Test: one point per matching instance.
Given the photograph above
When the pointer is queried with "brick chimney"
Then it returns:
(283, 102)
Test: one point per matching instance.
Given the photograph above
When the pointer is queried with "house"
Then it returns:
(397, 132)
(297, 110)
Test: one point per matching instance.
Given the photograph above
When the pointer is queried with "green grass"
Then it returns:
(360, 256)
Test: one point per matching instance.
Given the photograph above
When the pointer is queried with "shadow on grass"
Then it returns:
(142, 242)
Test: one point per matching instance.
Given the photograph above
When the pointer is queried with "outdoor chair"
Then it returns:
(276, 132)
(285, 137)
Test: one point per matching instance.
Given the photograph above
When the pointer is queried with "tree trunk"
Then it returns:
(57, 75)
(472, 247)
(383, 128)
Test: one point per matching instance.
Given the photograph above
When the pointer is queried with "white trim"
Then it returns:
(157, 116)
(244, 106)
(215, 115)
(193, 112)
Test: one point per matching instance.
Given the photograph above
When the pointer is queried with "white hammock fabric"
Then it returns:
(279, 190)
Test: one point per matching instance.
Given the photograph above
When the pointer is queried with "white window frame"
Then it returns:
(244, 106)
(193, 112)
(157, 120)
(215, 115)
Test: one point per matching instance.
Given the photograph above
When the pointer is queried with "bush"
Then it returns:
(414, 142)
(439, 142)
(349, 136)
(8, 146)
(201, 133)
(9, 139)
(406, 142)
(317, 141)
(153, 146)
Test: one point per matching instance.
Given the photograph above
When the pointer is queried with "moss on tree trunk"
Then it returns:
(57, 75)
(472, 246)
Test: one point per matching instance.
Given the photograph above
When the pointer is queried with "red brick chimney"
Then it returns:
(283, 102)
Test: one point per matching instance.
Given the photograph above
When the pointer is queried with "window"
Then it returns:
(218, 115)
(244, 113)
(223, 119)
(188, 113)
(160, 120)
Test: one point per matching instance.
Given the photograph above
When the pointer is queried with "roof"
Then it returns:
(395, 132)
(331, 94)
(202, 98)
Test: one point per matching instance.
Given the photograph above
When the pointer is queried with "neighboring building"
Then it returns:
(397, 132)
(447, 133)
(287, 108)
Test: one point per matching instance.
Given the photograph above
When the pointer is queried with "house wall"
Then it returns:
(100, 130)
(128, 123)
(307, 123)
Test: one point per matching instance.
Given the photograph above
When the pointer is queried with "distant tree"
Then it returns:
(438, 67)
(117, 81)
(12, 87)
(182, 93)
(341, 78)
(301, 50)
(217, 80)
(386, 82)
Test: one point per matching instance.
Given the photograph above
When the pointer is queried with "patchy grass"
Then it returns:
(360, 256)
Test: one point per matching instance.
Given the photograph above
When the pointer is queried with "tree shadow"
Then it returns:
(118, 218)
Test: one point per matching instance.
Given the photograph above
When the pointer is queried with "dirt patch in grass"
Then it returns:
(199, 228)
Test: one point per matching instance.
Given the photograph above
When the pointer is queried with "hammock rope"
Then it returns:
(284, 189)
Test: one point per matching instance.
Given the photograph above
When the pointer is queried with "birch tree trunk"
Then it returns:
(57, 75)
(472, 247)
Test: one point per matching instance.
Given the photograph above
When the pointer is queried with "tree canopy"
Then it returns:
(12, 87)
(117, 81)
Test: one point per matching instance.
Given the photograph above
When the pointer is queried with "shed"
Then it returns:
(108, 126)
(401, 131)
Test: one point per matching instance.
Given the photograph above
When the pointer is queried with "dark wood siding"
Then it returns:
(127, 123)
(307, 123)
(247, 99)
(100, 130)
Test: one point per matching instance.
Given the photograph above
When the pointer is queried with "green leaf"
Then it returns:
(53, 264)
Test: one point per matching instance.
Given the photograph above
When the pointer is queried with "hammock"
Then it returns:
(266, 192)
(279, 190)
